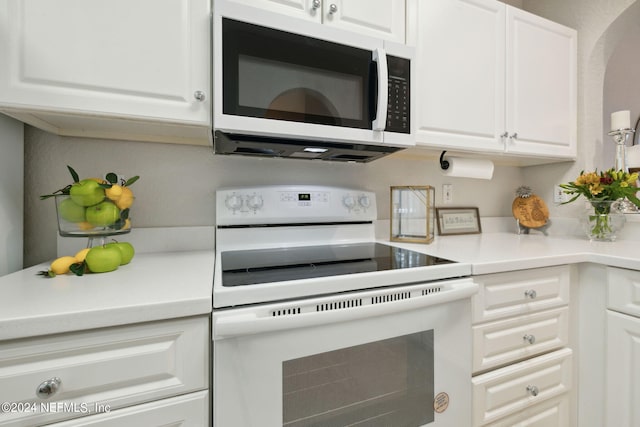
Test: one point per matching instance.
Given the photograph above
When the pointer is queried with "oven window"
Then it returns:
(379, 384)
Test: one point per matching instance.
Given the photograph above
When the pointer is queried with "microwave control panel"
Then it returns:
(398, 110)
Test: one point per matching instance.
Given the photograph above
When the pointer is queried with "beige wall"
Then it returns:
(601, 26)
(178, 183)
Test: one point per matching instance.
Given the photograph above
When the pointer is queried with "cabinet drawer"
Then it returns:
(508, 390)
(505, 341)
(191, 410)
(519, 292)
(551, 413)
(623, 291)
(111, 367)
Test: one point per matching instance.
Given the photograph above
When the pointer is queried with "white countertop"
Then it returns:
(154, 286)
(498, 252)
(172, 284)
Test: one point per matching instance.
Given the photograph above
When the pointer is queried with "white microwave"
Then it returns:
(284, 87)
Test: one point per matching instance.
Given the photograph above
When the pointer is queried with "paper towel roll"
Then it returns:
(469, 168)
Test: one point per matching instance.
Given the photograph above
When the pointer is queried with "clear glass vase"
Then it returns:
(602, 221)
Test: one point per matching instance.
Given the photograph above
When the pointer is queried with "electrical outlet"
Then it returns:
(447, 193)
(559, 196)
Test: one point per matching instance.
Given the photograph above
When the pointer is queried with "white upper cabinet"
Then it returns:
(383, 19)
(493, 79)
(147, 61)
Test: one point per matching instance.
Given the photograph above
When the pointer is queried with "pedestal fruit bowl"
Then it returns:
(95, 208)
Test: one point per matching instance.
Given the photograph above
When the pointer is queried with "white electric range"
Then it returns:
(317, 323)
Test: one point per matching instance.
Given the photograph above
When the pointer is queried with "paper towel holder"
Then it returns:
(444, 164)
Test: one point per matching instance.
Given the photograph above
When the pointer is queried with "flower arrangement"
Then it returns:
(607, 186)
(604, 191)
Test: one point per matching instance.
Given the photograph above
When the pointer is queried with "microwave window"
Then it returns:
(282, 90)
(379, 384)
(274, 74)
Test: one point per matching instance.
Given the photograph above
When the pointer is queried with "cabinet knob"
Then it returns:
(531, 339)
(332, 8)
(514, 135)
(530, 293)
(315, 4)
(199, 95)
(533, 390)
(48, 388)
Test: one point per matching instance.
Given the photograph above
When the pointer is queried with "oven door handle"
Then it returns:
(234, 323)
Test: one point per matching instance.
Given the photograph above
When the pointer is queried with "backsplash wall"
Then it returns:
(178, 183)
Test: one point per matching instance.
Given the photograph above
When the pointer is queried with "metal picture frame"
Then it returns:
(452, 221)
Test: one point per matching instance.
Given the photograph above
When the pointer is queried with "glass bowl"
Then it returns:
(104, 218)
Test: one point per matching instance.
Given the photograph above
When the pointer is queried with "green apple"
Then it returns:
(86, 192)
(126, 250)
(71, 211)
(102, 214)
(101, 259)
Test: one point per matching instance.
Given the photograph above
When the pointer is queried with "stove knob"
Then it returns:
(364, 201)
(255, 202)
(349, 201)
(233, 202)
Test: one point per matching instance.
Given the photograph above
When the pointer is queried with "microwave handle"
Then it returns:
(380, 58)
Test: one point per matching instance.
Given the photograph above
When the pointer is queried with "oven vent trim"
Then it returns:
(397, 296)
(339, 305)
(286, 312)
(432, 290)
(348, 303)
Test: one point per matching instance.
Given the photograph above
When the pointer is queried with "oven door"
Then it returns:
(394, 357)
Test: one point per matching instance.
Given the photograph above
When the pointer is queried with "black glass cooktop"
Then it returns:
(251, 267)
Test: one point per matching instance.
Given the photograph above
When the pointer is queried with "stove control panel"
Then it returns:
(290, 204)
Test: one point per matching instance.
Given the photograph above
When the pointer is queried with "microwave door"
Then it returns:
(279, 83)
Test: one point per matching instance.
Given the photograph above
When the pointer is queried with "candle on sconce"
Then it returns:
(621, 120)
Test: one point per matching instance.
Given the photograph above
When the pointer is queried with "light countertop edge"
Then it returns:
(154, 286)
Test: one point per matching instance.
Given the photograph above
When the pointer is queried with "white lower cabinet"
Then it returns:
(623, 348)
(521, 364)
(190, 410)
(100, 372)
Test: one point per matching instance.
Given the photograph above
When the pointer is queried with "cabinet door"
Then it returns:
(384, 19)
(541, 86)
(511, 389)
(623, 370)
(460, 63)
(304, 9)
(189, 410)
(142, 60)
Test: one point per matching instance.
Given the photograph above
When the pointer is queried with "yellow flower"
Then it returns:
(624, 184)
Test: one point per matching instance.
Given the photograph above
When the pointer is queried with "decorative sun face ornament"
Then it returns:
(529, 209)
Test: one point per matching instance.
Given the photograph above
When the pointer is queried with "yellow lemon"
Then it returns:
(98, 180)
(61, 265)
(114, 193)
(82, 254)
(126, 199)
(84, 225)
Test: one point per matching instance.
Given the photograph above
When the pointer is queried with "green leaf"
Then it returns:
(105, 185)
(74, 174)
(131, 180)
(112, 178)
(77, 268)
(124, 214)
(64, 191)
(46, 273)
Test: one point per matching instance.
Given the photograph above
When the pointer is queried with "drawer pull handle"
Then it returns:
(533, 390)
(531, 339)
(48, 388)
(531, 293)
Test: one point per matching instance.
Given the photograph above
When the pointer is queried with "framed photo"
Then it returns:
(458, 221)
